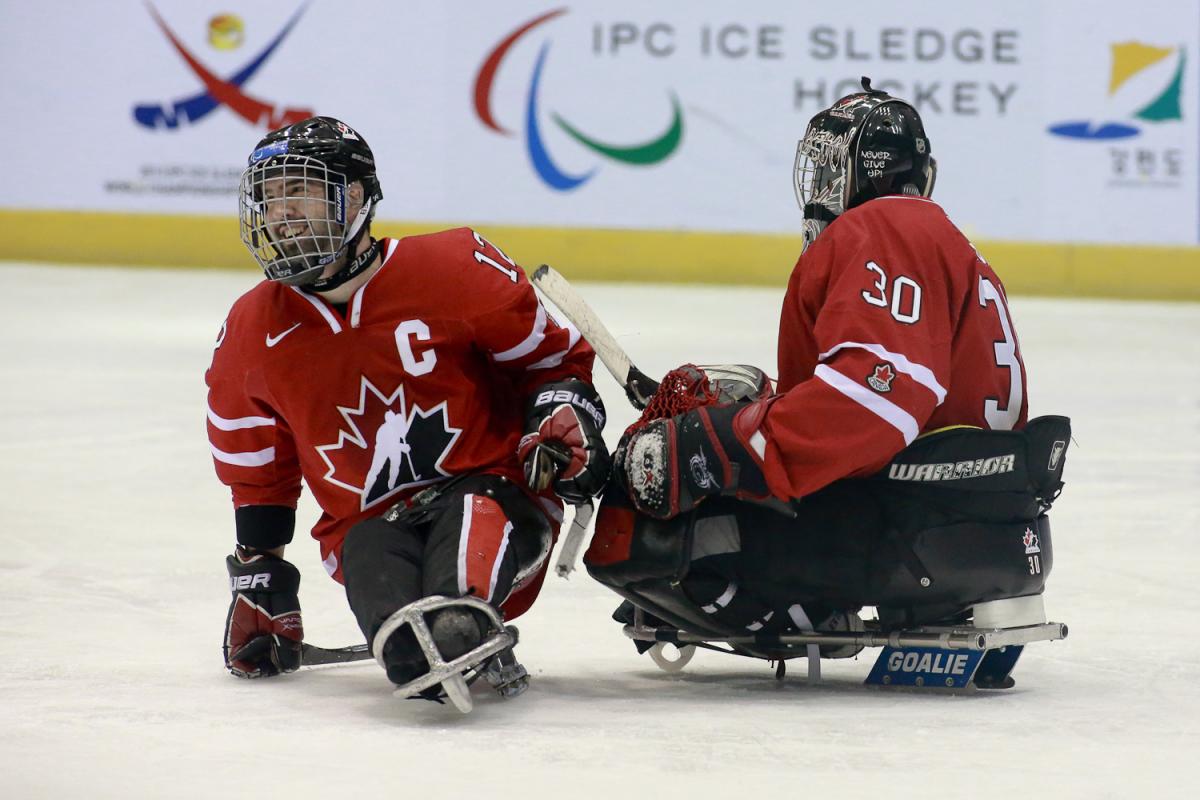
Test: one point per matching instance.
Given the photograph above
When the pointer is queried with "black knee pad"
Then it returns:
(381, 570)
(372, 540)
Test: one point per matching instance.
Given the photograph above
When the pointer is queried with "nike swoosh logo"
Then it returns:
(274, 340)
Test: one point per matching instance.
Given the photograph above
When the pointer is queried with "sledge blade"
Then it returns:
(993, 672)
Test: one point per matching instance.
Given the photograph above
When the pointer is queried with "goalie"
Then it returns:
(893, 465)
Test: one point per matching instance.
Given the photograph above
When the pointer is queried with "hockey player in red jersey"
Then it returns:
(397, 378)
(892, 327)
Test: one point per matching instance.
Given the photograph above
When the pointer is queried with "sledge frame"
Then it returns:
(993, 651)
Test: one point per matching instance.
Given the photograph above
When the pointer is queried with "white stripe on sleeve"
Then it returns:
(237, 423)
(919, 373)
(256, 459)
(758, 443)
(530, 342)
(555, 359)
(885, 409)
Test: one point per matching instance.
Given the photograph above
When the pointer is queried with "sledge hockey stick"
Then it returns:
(568, 555)
(313, 656)
(638, 386)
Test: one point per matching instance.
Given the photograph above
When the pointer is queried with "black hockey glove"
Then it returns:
(562, 447)
(669, 466)
(263, 630)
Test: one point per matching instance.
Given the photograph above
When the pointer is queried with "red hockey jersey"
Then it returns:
(892, 325)
(423, 376)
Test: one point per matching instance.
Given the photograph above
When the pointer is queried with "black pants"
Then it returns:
(481, 536)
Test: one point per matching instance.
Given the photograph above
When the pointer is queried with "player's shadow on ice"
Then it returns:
(716, 686)
(712, 686)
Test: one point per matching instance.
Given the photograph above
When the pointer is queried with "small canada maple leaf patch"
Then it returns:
(881, 379)
(1030, 540)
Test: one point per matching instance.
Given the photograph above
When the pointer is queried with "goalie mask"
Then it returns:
(296, 195)
(864, 146)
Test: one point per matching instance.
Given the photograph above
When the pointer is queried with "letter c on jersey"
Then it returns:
(406, 332)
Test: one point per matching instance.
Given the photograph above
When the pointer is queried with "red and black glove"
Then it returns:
(263, 630)
(670, 465)
(562, 447)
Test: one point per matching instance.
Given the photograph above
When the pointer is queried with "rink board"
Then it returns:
(658, 256)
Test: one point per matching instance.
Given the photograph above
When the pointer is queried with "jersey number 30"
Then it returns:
(905, 304)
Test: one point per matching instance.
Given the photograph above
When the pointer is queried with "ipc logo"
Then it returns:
(649, 152)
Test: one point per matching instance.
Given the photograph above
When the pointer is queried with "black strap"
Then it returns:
(265, 527)
(352, 270)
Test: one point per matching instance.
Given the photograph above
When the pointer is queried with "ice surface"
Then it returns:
(113, 593)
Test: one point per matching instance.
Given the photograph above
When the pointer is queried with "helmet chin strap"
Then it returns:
(360, 263)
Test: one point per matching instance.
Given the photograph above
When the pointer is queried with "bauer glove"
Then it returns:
(668, 466)
(562, 447)
(263, 630)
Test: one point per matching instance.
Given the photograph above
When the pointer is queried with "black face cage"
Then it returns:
(293, 216)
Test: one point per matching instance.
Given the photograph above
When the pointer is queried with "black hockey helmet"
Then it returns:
(316, 159)
(864, 146)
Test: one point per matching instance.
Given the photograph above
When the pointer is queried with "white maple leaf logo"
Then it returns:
(408, 444)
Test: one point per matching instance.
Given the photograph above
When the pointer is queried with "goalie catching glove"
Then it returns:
(668, 466)
(562, 447)
(263, 630)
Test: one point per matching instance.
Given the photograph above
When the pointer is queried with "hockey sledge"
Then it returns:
(951, 544)
(492, 659)
(978, 655)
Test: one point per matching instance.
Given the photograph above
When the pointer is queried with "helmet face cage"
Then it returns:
(294, 195)
(821, 170)
(864, 146)
(293, 216)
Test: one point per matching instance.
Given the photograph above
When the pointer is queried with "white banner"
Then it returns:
(1064, 121)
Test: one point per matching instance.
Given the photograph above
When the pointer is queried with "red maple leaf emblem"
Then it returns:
(1029, 538)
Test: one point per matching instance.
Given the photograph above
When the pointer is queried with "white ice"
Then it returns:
(113, 593)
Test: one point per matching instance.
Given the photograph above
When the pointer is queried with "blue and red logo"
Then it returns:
(646, 153)
(225, 33)
(1130, 60)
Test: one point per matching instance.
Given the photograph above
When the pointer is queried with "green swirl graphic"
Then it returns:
(649, 153)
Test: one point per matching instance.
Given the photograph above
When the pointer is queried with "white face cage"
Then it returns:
(293, 217)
